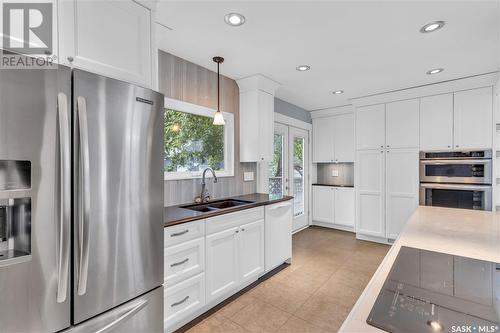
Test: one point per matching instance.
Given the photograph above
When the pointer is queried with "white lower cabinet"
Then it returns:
(222, 263)
(333, 205)
(344, 206)
(207, 261)
(251, 250)
(323, 207)
(184, 260)
(183, 300)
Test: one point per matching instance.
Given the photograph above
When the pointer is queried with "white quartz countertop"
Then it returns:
(468, 233)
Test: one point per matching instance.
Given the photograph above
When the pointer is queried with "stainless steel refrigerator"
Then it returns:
(81, 203)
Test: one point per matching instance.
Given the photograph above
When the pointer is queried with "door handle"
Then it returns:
(63, 232)
(83, 196)
(122, 318)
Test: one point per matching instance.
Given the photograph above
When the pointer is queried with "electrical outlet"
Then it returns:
(335, 173)
(248, 176)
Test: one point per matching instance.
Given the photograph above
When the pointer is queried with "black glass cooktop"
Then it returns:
(435, 292)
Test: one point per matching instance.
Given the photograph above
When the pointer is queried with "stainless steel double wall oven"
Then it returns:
(81, 203)
(457, 179)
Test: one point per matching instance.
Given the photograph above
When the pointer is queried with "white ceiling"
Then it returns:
(361, 47)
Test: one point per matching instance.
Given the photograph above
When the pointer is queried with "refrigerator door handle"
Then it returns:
(83, 196)
(63, 232)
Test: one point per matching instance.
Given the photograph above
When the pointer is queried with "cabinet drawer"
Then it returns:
(184, 260)
(183, 300)
(226, 221)
(183, 232)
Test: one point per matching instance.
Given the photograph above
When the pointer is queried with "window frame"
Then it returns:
(199, 110)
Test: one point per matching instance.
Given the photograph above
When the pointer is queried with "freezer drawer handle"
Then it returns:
(110, 327)
(179, 263)
(180, 233)
(83, 197)
(65, 199)
(180, 302)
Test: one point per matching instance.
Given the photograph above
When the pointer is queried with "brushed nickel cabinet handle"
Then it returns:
(179, 263)
(180, 302)
(180, 233)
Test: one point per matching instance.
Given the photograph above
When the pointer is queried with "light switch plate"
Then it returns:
(248, 176)
(335, 173)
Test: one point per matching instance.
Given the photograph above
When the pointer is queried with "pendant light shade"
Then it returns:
(218, 117)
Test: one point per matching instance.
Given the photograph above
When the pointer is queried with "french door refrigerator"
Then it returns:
(81, 203)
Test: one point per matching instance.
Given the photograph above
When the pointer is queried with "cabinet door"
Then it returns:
(266, 126)
(323, 139)
(401, 188)
(222, 263)
(402, 124)
(251, 250)
(370, 177)
(370, 127)
(473, 118)
(344, 206)
(323, 204)
(111, 38)
(436, 122)
(344, 138)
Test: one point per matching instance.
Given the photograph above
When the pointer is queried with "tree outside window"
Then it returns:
(192, 142)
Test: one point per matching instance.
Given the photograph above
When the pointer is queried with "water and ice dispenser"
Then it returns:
(15, 211)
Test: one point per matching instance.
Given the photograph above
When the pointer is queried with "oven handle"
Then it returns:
(444, 162)
(457, 187)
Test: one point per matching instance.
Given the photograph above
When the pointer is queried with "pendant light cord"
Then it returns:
(218, 87)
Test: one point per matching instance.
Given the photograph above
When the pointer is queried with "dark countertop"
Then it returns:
(176, 215)
(338, 185)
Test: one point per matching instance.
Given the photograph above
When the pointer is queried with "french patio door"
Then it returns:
(289, 169)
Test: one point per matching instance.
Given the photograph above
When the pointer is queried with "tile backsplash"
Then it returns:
(345, 173)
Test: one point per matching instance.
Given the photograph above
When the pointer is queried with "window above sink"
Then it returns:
(193, 143)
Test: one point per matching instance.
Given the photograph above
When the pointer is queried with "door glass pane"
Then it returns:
(298, 175)
(276, 167)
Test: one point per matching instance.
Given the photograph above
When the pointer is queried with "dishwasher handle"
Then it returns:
(281, 205)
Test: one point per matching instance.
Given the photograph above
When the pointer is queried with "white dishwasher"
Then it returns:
(278, 231)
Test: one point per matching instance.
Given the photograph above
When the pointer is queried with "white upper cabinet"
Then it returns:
(256, 118)
(323, 139)
(436, 122)
(344, 138)
(370, 127)
(401, 188)
(473, 118)
(370, 189)
(111, 38)
(402, 124)
(333, 138)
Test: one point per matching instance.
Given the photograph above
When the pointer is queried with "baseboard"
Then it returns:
(334, 226)
(375, 239)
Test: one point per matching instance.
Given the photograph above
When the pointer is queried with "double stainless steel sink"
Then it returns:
(216, 205)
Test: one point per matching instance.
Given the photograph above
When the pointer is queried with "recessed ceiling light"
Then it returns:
(336, 92)
(435, 71)
(303, 68)
(234, 19)
(431, 27)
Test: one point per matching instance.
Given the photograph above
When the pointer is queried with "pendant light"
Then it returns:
(218, 117)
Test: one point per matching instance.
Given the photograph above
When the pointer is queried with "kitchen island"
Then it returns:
(458, 232)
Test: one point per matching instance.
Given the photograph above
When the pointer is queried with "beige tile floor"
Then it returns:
(330, 269)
